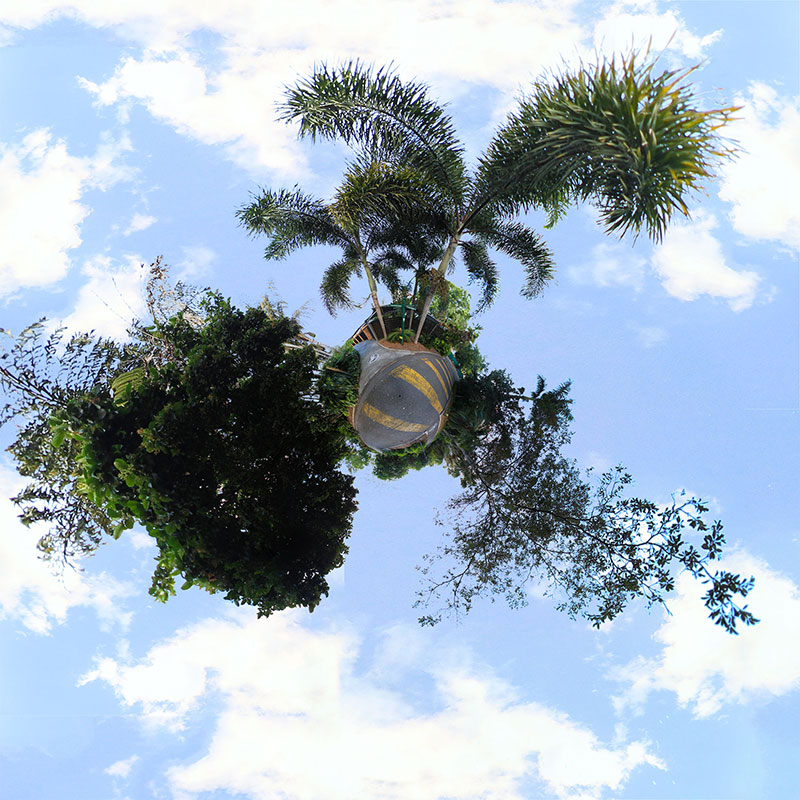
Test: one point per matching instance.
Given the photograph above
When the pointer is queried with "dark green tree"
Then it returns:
(193, 447)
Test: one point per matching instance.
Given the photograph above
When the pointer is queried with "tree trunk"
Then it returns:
(441, 269)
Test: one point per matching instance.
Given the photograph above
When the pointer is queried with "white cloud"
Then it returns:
(231, 99)
(638, 23)
(690, 263)
(140, 540)
(611, 264)
(234, 107)
(41, 187)
(122, 768)
(196, 261)
(299, 719)
(111, 297)
(29, 590)
(139, 222)
(762, 182)
(224, 93)
(649, 335)
(705, 666)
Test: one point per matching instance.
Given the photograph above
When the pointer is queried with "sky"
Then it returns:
(130, 130)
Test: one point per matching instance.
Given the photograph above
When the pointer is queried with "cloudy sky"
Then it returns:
(130, 130)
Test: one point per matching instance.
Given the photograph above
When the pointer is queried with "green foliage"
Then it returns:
(455, 335)
(201, 458)
(526, 514)
(221, 432)
(618, 133)
(469, 359)
(40, 373)
(184, 430)
(392, 120)
(338, 381)
(396, 463)
(452, 308)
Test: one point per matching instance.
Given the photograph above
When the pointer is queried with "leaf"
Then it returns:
(132, 379)
(59, 434)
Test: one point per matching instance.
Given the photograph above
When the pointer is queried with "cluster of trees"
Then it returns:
(224, 433)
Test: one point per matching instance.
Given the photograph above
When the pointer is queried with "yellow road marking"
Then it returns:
(392, 422)
(435, 369)
(447, 366)
(418, 382)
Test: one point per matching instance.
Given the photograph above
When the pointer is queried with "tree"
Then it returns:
(40, 373)
(214, 429)
(193, 446)
(617, 133)
(184, 430)
(526, 514)
(354, 221)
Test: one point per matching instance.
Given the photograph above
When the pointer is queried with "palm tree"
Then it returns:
(371, 195)
(616, 133)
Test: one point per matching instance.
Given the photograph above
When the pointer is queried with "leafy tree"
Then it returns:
(40, 373)
(184, 429)
(194, 448)
(526, 514)
(338, 381)
(617, 133)
(352, 221)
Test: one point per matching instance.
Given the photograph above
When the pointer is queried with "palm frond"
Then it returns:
(376, 193)
(633, 141)
(335, 286)
(377, 113)
(422, 234)
(482, 269)
(520, 243)
(292, 219)
(394, 260)
(386, 270)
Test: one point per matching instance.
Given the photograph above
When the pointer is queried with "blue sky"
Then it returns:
(135, 129)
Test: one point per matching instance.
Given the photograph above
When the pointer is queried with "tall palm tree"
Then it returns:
(616, 133)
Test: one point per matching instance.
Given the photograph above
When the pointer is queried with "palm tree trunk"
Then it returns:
(373, 287)
(441, 269)
(373, 290)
